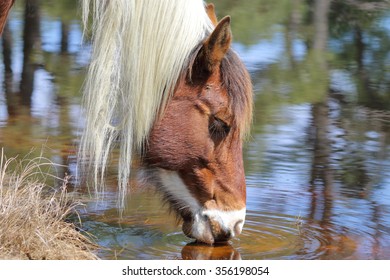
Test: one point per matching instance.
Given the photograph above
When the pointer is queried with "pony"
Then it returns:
(165, 87)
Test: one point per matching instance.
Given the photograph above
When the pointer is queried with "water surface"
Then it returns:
(317, 162)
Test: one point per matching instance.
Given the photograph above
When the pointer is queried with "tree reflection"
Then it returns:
(64, 36)
(366, 54)
(321, 182)
(29, 124)
(8, 75)
(31, 43)
(344, 65)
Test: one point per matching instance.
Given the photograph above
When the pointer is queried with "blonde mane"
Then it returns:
(139, 49)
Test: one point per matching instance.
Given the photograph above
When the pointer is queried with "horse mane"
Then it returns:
(236, 79)
(139, 50)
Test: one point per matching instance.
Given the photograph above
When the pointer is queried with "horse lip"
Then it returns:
(205, 239)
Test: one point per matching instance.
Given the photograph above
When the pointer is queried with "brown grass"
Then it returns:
(32, 215)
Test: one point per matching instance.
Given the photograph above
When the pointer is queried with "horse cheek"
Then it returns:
(176, 143)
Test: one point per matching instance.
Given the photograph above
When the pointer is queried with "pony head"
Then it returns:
(164, 84)
(195, 149)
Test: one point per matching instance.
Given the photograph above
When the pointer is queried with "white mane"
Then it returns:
(139, 51)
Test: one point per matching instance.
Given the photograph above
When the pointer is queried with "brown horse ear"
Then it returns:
(213, 50)
(210, 10)
(217, 44)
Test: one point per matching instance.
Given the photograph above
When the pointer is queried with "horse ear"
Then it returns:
(210, 10)
(217, 44)
(213, 50)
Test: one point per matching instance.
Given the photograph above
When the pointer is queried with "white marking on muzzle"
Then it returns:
(229, 221)
(175, 187)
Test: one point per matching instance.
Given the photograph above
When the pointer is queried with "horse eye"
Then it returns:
(218, 129)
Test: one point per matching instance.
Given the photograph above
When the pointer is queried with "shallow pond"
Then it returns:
(318, 159)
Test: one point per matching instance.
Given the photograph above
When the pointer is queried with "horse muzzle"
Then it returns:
(213, 226)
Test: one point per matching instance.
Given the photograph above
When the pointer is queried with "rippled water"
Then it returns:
(318, 159)
(301, 205)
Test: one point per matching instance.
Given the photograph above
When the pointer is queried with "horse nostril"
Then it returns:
(223, 236)
(228, 234)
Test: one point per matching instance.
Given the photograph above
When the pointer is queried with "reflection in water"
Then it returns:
(317, 163)
(31, 43)
(197, 251)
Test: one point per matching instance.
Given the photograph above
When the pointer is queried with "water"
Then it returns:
(317, 162)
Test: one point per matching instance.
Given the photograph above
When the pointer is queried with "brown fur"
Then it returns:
(200, 133)
(5, 6)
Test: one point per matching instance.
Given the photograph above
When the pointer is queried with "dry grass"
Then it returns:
(32, 215)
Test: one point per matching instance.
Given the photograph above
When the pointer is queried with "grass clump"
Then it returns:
(33, 216)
